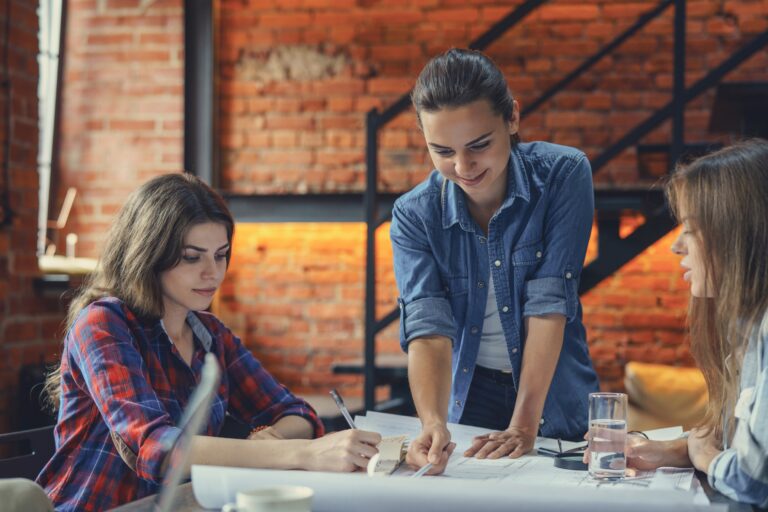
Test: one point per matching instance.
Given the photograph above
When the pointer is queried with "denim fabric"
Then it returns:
(535, 247)
(741, 470)
(491, 399)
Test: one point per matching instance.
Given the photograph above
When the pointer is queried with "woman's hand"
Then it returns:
(345, 451)
(702, 448)
(514, 442)
(646, 455)
(434, 446)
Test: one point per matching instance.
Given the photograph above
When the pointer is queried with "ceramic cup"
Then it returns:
(279, 498)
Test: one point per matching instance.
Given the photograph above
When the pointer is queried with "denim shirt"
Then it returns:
(535, 248)
(740, 471)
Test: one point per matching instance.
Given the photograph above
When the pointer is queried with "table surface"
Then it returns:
(185, 501)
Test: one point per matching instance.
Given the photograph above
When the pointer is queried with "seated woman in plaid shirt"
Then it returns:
(720, 199)
(134, 350)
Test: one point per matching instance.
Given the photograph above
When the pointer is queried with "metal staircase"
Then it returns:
(613, 251)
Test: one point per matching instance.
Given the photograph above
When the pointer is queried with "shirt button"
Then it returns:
(505, 309)
(538, 254)
(514, 350)
(458, 403)
(465, 370)
(568, 275)
(541, 421)
(480, 284)
(497, 263)
(474, 330)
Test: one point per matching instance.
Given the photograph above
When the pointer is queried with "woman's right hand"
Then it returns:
(345, 451)
(432, 445)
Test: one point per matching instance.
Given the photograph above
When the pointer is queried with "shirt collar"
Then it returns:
(453, 199)
(198, 330)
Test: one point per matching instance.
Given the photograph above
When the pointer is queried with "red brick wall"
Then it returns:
(28, 320)
(122, 105)
(296, 78)
(295, 292)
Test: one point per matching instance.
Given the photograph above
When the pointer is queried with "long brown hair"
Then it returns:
(146, 239)
(724, 196)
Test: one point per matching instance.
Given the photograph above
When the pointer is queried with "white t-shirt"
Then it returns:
(493, 351)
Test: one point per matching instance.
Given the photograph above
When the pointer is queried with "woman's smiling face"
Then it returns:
(470, 146)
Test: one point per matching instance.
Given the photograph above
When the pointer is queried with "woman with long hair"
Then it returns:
(721, 200)
(488, 253)
(133, 353)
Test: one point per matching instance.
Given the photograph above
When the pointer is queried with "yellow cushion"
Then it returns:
(674, 395)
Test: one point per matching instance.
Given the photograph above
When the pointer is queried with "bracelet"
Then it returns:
(258, 429)
(639, 433)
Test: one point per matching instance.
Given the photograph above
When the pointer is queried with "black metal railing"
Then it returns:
(374, 121)
(658, 222)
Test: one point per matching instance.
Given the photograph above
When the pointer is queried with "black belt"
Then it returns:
(497, 375)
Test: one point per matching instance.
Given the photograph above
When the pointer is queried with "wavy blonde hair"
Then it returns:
(724, 196)
(146, 238)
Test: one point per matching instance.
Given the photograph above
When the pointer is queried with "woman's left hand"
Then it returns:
(514, 441)
(702, 448)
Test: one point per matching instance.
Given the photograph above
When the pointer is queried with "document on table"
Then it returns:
(529, 469)
(531, 482)
(214, 486)
(395, 424)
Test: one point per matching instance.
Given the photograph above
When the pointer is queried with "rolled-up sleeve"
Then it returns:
(424, 306)
(553, 288)
(102, 347)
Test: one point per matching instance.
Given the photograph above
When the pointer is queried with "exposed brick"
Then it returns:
(568, 12)
(123, 119)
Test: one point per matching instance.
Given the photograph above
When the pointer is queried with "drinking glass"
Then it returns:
(607, 435)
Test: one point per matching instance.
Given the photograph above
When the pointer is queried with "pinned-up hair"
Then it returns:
(459, 77)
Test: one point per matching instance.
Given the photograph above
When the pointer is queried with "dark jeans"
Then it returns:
(491, 399)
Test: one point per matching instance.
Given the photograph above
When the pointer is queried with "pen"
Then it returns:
(343, 408)
(423, 469)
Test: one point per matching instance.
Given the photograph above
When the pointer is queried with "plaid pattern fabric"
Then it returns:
(124, 387)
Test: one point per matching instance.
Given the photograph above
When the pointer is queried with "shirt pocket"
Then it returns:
(526, 258)
(742, 413)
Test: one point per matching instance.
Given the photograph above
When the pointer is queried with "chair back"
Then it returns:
(28, 451)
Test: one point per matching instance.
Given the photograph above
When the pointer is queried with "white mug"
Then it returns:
(279, 498)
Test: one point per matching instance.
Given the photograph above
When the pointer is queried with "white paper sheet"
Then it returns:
(394, 424)
(530, 482)
(334, 492)
(531, 469)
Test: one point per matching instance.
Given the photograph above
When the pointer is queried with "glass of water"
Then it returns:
(607, 435)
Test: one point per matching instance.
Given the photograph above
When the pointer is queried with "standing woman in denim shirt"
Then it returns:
(488, 251)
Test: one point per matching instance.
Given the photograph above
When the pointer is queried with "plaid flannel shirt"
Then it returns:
(124, 387)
